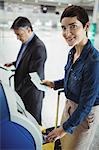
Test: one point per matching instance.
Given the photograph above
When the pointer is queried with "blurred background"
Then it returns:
(45, 18)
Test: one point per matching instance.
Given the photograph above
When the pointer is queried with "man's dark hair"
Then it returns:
(21, 22)
(76, 11)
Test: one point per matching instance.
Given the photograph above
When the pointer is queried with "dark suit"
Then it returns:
(33, 60)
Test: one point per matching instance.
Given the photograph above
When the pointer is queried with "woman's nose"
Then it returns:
(67, 32)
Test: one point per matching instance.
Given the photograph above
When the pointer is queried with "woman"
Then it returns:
(80, 83)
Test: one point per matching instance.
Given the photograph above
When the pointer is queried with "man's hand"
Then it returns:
(8, 64)
(56, 134)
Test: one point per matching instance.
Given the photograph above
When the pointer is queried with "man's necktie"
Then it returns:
(19, 55)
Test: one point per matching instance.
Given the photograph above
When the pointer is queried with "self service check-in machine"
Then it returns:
(18, 129)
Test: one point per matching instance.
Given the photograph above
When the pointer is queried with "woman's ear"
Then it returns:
(87, 26)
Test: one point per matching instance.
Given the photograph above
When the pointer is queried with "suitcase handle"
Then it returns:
(57, 110)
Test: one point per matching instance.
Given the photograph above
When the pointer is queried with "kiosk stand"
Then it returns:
(19, 130)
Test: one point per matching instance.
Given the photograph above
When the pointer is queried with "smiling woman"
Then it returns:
(72, 28)
(81, 84)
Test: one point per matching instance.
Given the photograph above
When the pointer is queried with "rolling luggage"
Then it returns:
(52, 145)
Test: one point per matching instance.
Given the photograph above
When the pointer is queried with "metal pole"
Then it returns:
(94, 21)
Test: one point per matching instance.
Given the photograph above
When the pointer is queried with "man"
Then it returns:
(31, 58)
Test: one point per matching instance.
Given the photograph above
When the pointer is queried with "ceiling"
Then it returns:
(88, 3)
(13, 8)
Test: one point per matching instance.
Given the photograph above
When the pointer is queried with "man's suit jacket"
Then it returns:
(33, 60)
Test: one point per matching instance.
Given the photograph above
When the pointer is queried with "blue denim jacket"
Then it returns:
(81, 84)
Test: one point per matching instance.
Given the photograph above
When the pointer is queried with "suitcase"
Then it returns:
(52, 145)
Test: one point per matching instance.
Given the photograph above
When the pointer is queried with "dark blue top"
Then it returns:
(81, 84)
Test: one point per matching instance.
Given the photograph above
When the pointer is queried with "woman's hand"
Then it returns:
(90, 118)
(48, 83)
(56, 134)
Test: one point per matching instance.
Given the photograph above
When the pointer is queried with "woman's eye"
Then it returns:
(73, 26)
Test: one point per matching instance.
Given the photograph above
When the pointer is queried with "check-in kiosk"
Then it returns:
(19, 130)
